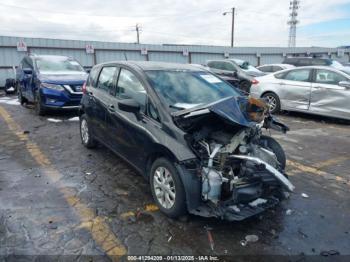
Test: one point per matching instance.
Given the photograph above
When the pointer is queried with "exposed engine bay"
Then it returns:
(241, 170)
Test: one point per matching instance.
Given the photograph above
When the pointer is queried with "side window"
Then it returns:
(276, 68)
(216, 65)
(298, 75)
(92, 80)
(106, 78)
(129, 86)
(329, 77)
(265, 68)
(228, 66)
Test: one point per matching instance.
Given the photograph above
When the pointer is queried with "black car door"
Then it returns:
(131, 134)
(101, 100)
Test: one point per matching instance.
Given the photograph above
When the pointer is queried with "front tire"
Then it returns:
(86, 136)
(21, 99)
(273, 101)
(39, 107)
(271, 144)
(167, 188)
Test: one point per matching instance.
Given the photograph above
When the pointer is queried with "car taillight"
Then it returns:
(255, 82)
(84, 88)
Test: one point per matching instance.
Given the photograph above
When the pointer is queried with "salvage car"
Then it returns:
(315, 90)
(232, 73)
(50, 82)
(248, 68)
(193, 136)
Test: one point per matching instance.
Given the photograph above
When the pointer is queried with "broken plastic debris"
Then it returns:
(54, 120)
(330, 253)
(169, 239)
(289, 212)
(251, 238)
(243, 243)
(151, 208)
(210, 238)
(88, 173)
(76, 118)
(257, 202)
(304, 195)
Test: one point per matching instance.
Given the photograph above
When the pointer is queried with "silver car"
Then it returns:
(314, 89)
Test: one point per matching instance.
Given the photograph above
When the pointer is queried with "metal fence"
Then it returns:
(89, 53)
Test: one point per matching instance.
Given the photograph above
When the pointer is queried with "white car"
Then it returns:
(272, 68)
(313, 89)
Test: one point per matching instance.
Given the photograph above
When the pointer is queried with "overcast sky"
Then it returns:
(258, 22)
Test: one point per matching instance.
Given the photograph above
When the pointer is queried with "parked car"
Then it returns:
(50, 82)
(10, 86)
(248, 68)
(194, 137)
(232, 73)
(316, 90)
(272, 68)
(311, 61)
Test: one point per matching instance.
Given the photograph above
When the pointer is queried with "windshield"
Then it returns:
(186, 89)
(58, 65)
(336, 64)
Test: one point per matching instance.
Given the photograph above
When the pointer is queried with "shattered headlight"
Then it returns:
(52, 86)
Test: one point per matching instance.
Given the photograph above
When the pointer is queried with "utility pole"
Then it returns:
(233, 24)
(293, 6)
(138, 33)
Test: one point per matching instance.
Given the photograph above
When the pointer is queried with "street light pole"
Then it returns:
(233, 24)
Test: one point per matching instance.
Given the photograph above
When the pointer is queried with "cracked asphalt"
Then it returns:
(59, 198)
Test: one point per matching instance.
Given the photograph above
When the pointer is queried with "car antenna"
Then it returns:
(126, 58)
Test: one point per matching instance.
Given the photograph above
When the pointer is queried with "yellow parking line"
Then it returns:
(315, 171)
(99, 229)
(330, 162)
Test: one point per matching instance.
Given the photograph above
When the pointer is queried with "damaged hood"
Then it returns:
(232, 109)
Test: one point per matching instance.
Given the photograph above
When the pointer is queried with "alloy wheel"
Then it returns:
(164, 187)
(84, 131)
(272, 102)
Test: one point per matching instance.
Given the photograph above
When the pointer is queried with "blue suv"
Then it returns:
(50, 82)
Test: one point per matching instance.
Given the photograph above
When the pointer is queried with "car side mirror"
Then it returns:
(129, 105)
(27, 71)
(345, 84)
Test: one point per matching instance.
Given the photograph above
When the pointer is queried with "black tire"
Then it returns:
(179, 206)
(21, 99)
(39, 107)
(90, 142)
(245, 86)
(271, 144)
(272, 97)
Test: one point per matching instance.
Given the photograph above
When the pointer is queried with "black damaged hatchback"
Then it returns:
(193, 136)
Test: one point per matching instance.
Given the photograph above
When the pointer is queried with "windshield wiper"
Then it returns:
(176, 107)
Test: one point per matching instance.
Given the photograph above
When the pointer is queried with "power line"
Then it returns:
(293, 6)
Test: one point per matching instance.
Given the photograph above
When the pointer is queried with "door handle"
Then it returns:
(111, 108)
(282, 83)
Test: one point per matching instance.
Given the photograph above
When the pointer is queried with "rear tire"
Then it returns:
(86, 136)
(167, 188)
(273, 101)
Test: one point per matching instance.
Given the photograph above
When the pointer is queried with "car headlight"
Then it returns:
(53, 86)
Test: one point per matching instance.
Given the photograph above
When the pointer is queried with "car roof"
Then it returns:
(282, 65)
(49, 56)
(153, 65)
